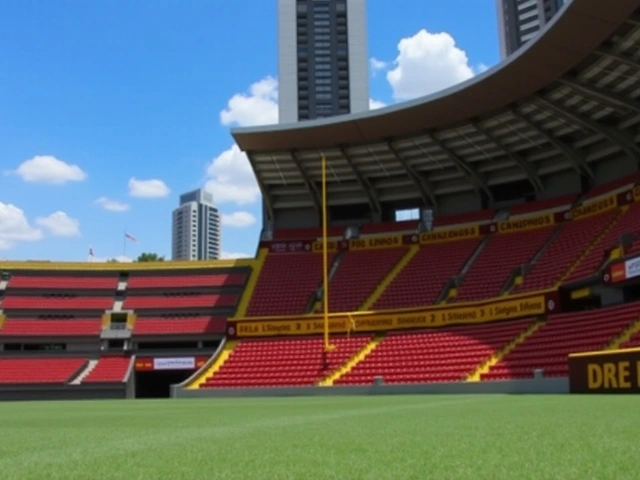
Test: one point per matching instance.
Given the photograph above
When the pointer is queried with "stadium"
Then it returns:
(520, 276)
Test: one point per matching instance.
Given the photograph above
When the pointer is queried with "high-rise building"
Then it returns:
(520, 20)
(196, 232)
(323, 66)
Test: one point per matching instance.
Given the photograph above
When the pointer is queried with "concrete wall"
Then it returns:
(453, 204)
(66, 392)
(301, 218)
(533, 386)
(560, 184)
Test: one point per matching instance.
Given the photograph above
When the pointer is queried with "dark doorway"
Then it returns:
(158, 384)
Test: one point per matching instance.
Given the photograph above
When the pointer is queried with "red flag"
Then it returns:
(130, 237)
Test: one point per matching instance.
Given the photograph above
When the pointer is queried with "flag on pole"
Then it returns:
(126, 235)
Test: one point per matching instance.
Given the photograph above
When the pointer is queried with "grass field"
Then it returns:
(399, 437)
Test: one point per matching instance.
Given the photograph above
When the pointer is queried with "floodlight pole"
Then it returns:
(325, 258)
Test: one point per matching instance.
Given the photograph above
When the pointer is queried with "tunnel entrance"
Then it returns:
(157, 384)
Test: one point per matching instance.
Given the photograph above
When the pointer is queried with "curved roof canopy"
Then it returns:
(566, 100)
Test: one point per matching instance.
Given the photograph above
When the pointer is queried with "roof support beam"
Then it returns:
(576, 157)
(467, 170)
(619, 57)
(367, 188)
(266, 194)
(527, 167)
(613, 135)
(311, 187)
(421, 183)
(601, 94)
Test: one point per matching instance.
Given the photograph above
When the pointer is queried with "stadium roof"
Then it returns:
(566, 100)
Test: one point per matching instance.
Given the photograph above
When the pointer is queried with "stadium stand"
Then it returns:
(629, 222)
(449, 354)
(185, 280)
(286, 284)
(109, 369)
(180, 300)
(50, 282)
(52, 327)
(59, 302)
(272, 363)
(353, 282)
(502, 253)
(563, 334)
(482, 149)
(574, 238)
(49, 370)
(422, 280)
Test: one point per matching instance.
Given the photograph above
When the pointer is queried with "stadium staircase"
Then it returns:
(628, 222)
(109, 369)
(84, 373)
(353, 361)
(386, 281)
(316, 301)
(451, 289)
(564, 252)
(421, 281)
(499, 355)
(517, 277)
(251, 283)
(592, 245)
(284, 362)
(625, 339)
(486, 277)
(214, 366)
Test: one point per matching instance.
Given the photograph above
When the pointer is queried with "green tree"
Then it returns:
(112, 260)
(149, 257)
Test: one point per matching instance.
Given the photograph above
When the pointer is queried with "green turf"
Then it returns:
(399, 437)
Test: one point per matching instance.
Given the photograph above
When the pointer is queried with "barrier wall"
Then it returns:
(615, 371)
(532, 386)
(428, 317)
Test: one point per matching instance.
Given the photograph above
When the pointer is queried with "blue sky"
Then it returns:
(110, 109)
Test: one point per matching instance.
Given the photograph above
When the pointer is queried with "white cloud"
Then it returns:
(14, 227)
(375, 104)
(257, 107)
(377, 65)
(426, 63)
(112, 205)
(59, 224)
(231, 179)
(152, 188)
(232, 255)
(238, 219)
(49, 169)
(481, 68)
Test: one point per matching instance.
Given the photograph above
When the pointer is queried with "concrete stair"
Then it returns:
(386, 281)
(499, 355)
(357, 358)
(85, 373)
